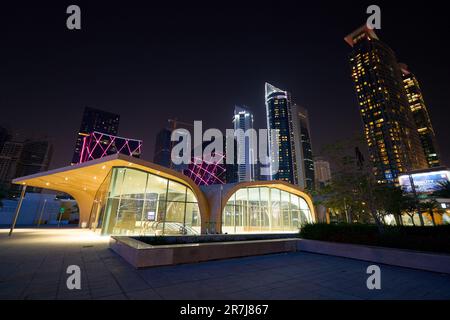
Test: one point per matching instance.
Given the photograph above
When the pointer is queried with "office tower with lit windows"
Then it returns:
(389, 128)
(95, 120)
(279, 117)
(246, 158)
(303, 147)
(421, 117)
(295, 163)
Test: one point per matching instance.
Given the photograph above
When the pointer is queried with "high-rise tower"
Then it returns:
(390, 132)
(295, 164)
(421, 117)
(279, 117)
(303, 147)
(243, 120)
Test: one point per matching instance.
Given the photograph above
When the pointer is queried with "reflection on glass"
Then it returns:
(139, 203)
(264, 210)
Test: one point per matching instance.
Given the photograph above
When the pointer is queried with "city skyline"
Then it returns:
(132, 93)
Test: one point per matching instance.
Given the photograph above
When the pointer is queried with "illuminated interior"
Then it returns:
(265, 210)
(135, 202)
(122, 195)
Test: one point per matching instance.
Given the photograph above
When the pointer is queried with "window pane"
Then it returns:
(177, 192)
(192, 220)
(276, 210)
(174, 224)
(156, 188)
(190, 196)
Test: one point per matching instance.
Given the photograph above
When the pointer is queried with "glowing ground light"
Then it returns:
(98, 145)
(207, 172)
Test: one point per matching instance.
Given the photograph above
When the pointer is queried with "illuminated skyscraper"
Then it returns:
(421, 117)
(390, 132)
(95, 120)
(243, 120)
(303, 147)
(279, 117)
(294, 141)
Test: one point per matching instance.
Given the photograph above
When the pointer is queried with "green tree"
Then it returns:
(392, 200)
(430, 207)
(352, 188)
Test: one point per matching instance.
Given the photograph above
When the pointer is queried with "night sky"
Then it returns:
(195, 60)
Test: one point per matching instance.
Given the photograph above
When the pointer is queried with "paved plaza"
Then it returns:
(33, 264)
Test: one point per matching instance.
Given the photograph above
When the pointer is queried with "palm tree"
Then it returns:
(444, 190)
(430, 207)
(409, 206)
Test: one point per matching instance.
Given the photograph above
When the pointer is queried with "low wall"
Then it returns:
(396, 257)
(208, 238)
(142, 255)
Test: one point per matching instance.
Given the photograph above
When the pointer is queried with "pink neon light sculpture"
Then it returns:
(98, 145)
(207, 172)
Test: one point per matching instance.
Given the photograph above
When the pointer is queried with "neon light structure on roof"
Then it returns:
(98, 145)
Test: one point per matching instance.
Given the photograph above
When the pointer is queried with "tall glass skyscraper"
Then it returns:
(279, 117)
(389, 128)
(303, 147)
(95, 120)
(421, 117)
(294, 140)
(243, 120)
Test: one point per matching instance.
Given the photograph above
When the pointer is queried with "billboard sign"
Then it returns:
(426, 182)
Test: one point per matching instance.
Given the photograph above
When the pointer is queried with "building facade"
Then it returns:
(279, 117)
(303, 147)
(18, 159)
(4, 136)
(322, 173)
(421, 117)
(121, 195)
(163, 148)
(389, 128)
(295, 163)
(94, 120)
(9, 161)
(246, 158)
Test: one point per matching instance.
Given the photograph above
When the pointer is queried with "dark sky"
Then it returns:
(196, 60)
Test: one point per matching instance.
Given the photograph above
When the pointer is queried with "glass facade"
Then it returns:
(279, 117)
(134, 202)
(264, 210)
